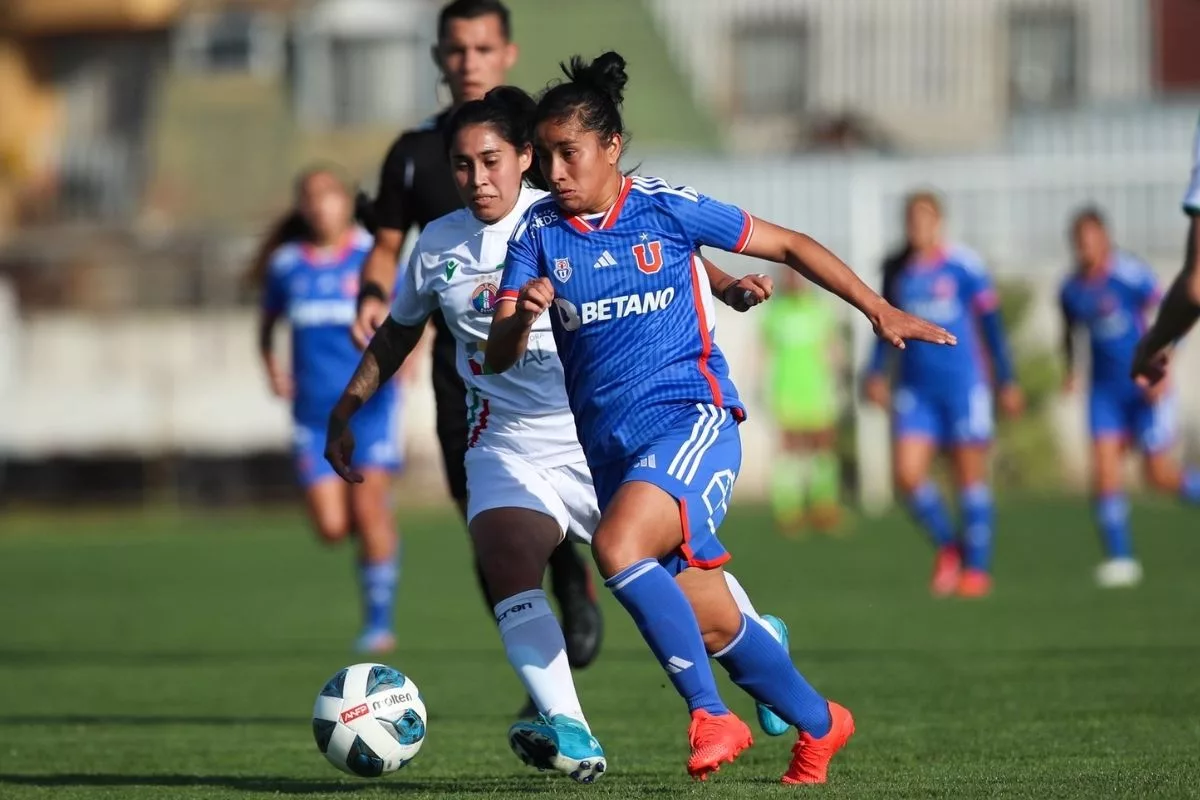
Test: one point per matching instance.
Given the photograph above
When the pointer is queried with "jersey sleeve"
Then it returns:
(393, 201)
(711, 223)
(1148, 292)
(980, 290)
(522, 262)
(274, 296)
(412, 304)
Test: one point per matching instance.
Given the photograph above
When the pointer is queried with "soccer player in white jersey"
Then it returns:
(656, 413)
(528, 482)
(1181, 307)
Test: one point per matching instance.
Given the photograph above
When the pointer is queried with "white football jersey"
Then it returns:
(1191, 200)
(456, 266)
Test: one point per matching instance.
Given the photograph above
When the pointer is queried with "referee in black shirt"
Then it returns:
(474, 52)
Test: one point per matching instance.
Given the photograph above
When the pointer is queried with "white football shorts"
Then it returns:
(504, 480)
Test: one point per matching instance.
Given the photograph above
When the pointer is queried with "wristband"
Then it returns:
(370, 289)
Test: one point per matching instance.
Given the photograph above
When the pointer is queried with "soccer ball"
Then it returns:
(369, 719)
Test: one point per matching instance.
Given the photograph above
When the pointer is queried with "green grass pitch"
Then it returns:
(147, 656)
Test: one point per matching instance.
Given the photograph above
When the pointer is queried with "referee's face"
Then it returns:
(474, 56)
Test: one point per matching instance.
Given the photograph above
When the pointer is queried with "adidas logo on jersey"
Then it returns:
(605, 260)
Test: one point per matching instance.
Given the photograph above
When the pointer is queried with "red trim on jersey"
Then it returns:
(480, 425)
(507, 294)
(580, 224)
(332, 257)
(747, 232)
(685, 548)
(705, 340)
(610, 217)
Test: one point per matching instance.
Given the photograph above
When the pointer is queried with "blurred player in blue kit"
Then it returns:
(942, 399)
(309, 272)
(613, 260)
(1110, 293)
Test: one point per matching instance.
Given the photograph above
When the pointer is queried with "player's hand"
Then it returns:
(745, 293)
(1149, 368)
(371, 314)
(1155, 391)
(339, 450)
(534, 298)
(895, 326)
(281, 382)
(877, 391)
(1012, 401)
(1070, 383)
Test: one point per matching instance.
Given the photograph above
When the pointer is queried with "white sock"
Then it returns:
(537, 651)
(743, 601)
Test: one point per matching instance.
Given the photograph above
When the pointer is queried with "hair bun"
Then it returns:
(606, 74)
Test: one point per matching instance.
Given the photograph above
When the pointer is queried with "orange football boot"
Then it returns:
(715, 741)
(811, 756)
(946, 571)
(974, 583)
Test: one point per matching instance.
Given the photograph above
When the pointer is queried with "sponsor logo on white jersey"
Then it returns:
(611, 308)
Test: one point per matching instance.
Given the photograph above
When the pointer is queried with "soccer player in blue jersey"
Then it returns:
(943, 399)
(1110, 293)
(310, 278)
(614, 260)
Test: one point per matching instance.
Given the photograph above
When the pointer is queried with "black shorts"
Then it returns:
(449, 392)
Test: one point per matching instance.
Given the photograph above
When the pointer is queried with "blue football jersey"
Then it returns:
(633, 313)
(316, 293)
(951, 291)
(1113, 308)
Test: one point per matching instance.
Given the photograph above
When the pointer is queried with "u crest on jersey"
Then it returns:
(648, 257)
(562, 269)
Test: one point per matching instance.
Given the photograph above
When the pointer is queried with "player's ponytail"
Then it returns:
(592, 94)
(507, 110)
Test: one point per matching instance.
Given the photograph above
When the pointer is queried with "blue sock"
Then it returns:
(662, 613)
(1189, 488)
(758, 664)
(976, 508)
(930, 512)
(378, 583)
(1112, 515)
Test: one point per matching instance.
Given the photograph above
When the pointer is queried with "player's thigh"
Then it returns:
(373, 514)
(512, 546)
(716, 611)
(969, 463)
(915, 437)
(502, 482)
(671, 499)
(573, 484)
(328, 503)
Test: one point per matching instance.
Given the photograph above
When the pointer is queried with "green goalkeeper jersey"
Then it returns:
(800, 382)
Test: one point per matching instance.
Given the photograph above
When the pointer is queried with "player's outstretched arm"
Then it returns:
(808, 257)
(388, 348)
(376, 282)
(1179, 311)
(740, 294)
(509, 335)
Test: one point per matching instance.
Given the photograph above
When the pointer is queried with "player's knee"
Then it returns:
(1161, 474)
(332, 528)
(908, 481)
(719, 634)
(508, 565)
(615, 551)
